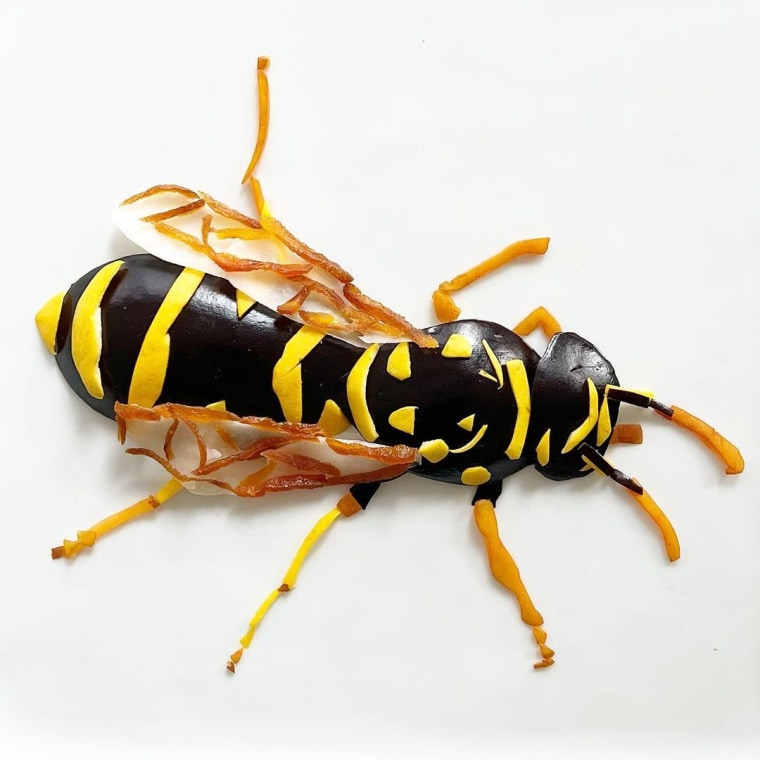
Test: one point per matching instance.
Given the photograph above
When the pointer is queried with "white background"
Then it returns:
(407, 141)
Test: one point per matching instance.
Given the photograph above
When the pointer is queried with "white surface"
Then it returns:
(406, 142)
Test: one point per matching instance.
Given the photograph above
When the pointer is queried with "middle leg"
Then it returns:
(505, 571)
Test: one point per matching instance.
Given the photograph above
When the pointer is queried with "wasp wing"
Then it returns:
(261, 258)
(211, 451)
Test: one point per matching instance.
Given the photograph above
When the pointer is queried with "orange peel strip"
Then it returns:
(710, 437)
(647, 503)
(300, 248)
(258, 195)
(242, 233)
(87, 538)
(539, 317)
(627, 433)
(263, 128)
(156, 189)
(229, 213)
(205, 228)
(503, 567)
(447, 310)
(172, 213)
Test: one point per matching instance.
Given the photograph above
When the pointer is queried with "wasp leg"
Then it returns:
(445, 308)
(354, 501)
(709, 436)
(539, 317)
(505, 571)
(598, 463)
(86, 538)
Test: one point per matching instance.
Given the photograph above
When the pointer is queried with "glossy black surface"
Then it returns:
(216, 356)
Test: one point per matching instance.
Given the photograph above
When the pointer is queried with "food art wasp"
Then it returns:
(235, 355)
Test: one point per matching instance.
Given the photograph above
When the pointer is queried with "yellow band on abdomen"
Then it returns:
(286, 377)
(356, 390)
(153, 360)
(87, 329)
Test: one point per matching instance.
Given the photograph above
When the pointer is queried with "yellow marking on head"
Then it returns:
(587, 425)
(457, 347)
(475, 476)
(356, 390)
(152, 361)
(472, 442)
(434, 450)
(244, 303)
(403, 419)
(604, 426)
(467, 423)
(647, 394)
(332, 418)
(286, 376)
(399, 362)
(488, 376)
(47, 319)
(87, 329)
(542, 449)
(494, 363)
(518, 380)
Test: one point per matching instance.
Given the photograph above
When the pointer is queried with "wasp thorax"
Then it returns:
(570, 405)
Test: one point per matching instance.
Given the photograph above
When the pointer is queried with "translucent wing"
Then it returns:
(211, 452)
(261, 258)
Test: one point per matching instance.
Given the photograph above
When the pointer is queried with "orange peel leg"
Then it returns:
(263, 128)
(633, 488)
(710, 437)
(445, 308)
(539, 317)
(647, 503)
(86, 538)
(289, 579)
(505, 571)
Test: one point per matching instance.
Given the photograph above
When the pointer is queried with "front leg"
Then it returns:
(504, 569)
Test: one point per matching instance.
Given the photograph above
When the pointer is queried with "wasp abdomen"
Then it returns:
(151, 332)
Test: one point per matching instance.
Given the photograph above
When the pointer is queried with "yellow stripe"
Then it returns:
(518, 380)
(467, 423)
(542, 450)
(332, 418)
(494, 363)
(47, 319)
(286, 377)
(457, 347)
(604, 427)
(588, 424)
(152, 361)
(487, 375)
(475, 476)
(87, 329)
(356, 390)
(403, 419)
(244, 303)
(434, 451)
(472, 442)
(399, 363)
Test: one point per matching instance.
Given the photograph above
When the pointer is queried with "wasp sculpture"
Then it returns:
(235, 355)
